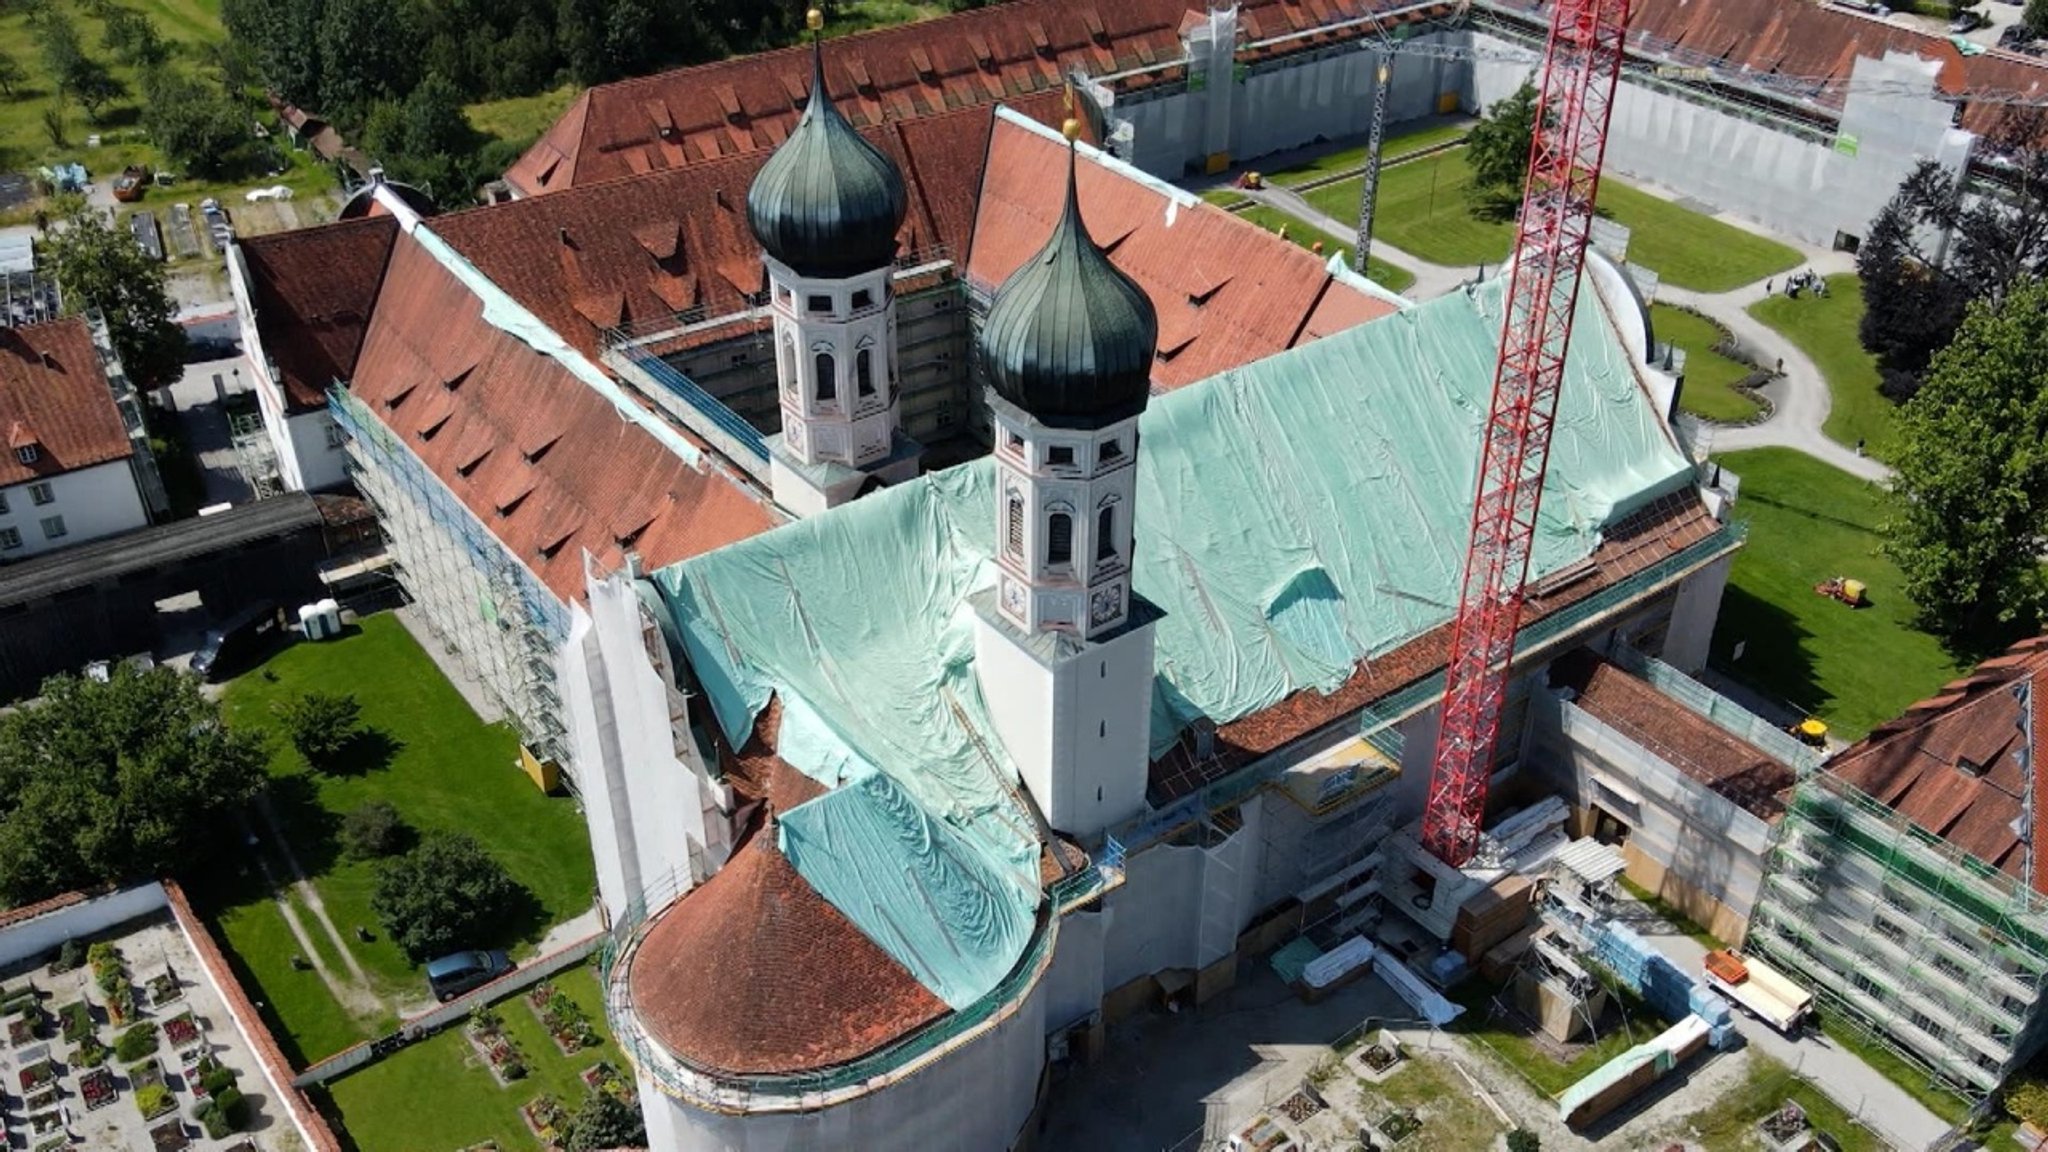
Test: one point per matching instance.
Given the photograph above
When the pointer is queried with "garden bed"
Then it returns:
(46, 1098)
(1399, 1124)
(563, 1018)
(153, 1100)
(545, 1118)
(164, 989)
(497, 1050)
(44, 1123)
(26, 1028)
(602, 1077)
(37, 1074)
(169, 1137)
(97, 1088)
(181, 1031)
(76, 1018)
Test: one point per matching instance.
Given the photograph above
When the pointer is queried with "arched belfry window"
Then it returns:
(828, 377)
(1105, 533)
(1059, 539)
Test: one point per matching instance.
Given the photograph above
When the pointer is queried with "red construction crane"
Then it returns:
(1580, 67)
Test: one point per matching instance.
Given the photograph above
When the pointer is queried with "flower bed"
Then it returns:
(164, 989)
(22, 1029)
(1400, 1124)
(136, 1043)
(1784, 1124)
(602, 1077)
(47, 1098)
(545, 1116)
(54, 1144)
(562, 1017)
(90, 1053)
(36, 1075)
(76, 1018)
(144, 1074)
(181, 1031)
(153, 1100)
(97, 1087)
(44, 1123)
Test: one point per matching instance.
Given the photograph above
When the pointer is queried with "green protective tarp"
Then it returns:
(1294, 517)
(1609, 1074)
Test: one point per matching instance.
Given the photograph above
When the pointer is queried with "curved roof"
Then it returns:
(827, 203)
(754, 973)
(1070, 337)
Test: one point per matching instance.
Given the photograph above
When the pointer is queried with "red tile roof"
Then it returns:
(1228, 292)
(731, 107)
(650, 246)
(754, 972)
(1687, 741)
(1958, 763)
(313, 289)
(54, 395)
(543, 460)
(1660, 530)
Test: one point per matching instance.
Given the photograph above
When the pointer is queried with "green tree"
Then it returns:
(320, 725)
(116, 781)
(133, 39)
(1969, 508)
(367, 54)
(11, 74)
(195, 123)
(1498, 147)
(445, 894)
(2035, 17)
(283, 36)
(604, 1121)
(102, 268)
(373, 829)
(83, 78)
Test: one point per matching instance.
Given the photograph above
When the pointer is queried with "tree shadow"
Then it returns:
(314, 831)
(524, 920)
(1775, 660)
(369, 750)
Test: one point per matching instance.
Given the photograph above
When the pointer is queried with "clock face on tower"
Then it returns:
(1013, 598)
(1106, 604)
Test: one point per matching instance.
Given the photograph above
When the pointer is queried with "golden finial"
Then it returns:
(814, 19)
(1071, 129)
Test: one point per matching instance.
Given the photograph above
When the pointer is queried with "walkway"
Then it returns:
(1800, 398)
(1862, 1090)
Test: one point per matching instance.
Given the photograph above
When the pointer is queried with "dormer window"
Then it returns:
(28, 453)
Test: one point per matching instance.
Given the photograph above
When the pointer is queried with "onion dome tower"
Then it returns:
(1064, 647)
(826, 208)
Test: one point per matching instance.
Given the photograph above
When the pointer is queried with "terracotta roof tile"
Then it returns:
(754, 973)
(1957, 764)
(1663, 528)
(54, 396)
(1686, 740)
(312, 289)
(540, 458)
(1228, 292)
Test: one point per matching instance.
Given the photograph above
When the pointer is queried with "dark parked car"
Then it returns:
(245, 637)
(451, 976)
(1967, 21)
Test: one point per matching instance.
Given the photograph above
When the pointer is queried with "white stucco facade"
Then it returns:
(69, 508)
(312, 453)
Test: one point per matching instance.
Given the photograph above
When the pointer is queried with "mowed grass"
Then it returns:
(1709, 376)
(520, 119)
(1824, 327)
(1400, 142)
(1688, 249)
(439, 1094)
(1730, 1124)
(1534, 1061)
(1809, 522)
(1424, 209)
(444, 769)
(1306, 235)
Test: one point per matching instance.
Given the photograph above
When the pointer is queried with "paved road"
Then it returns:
(196, 398)
(1857, 1087)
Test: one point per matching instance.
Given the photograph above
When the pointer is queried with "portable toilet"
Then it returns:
(313, 623)
(330, 609)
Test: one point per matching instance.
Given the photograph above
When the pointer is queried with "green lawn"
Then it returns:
(1398, 144)
(1851, 667)
(1688, 249)
(860, 15)
(1709, 376)
(445, 770)
(1225, 197)
(1685, 925)
(1423, 210)
(1305, 234)
(520, 119)
(1533, 1060)
(1825, 329)
(438, 1094)
(1730, 1125)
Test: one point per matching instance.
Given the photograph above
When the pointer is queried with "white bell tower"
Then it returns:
(1063, 507)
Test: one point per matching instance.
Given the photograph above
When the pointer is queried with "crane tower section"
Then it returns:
(1581, 65)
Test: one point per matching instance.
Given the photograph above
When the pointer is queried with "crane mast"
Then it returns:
(1581, 64)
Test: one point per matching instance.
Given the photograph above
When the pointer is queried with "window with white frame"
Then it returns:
(53, 527)
(42, 493)
(10, 539)
(27, 453)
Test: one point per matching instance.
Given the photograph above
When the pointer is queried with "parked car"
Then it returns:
(2013, 36)
(243, 639)
(1968, 20)
(461, 972)
(274, 192)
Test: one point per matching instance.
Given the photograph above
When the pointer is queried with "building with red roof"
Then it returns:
(71, 470)
(1908, 886)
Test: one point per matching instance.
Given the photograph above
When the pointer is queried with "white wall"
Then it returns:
(98, 501)
(306, 460)
(45, 933)
(1693, 614)
(320, 462)
(976, 1098)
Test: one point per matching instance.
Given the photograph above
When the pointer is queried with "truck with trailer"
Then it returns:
(1759, 989)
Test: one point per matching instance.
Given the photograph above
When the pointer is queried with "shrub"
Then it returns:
(69, 957)
(321, 724)
(135, 1043)
(2027, 1100)
(371, 830)
(151, 1099)
(447, 893)
(604, 1121)
(225, 1113)
(1523, 1140)
(218, 1081)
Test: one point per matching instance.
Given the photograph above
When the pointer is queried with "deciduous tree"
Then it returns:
(102, 268)
(1498, 147)
(104, 782)
(1969, 513)
(444, 895)
(604, 1121)
(198, 125)
(12, 74)
(321, 724)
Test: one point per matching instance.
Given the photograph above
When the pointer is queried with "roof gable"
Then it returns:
(55, 402)
(312, 290)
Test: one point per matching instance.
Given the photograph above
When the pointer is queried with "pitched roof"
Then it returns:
(1687, 741)
(651, 246)
(313, 289)
(1227, 291)
(753, 973)
(748, 103)
(1959, 764)
(537, 455)
(54, 395)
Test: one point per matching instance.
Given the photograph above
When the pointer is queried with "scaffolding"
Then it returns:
(1925, 949)
(507, 636)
